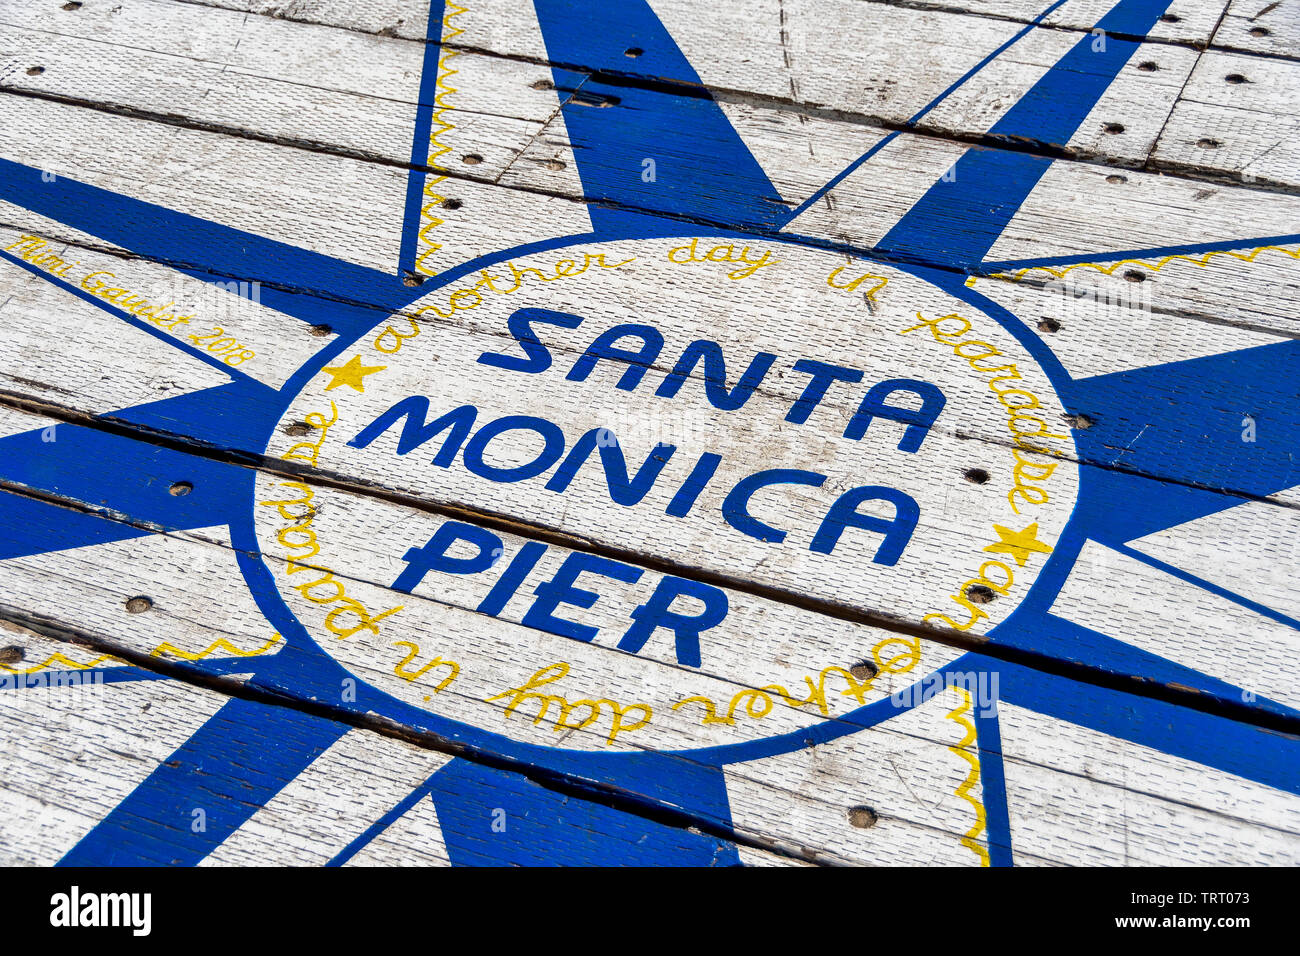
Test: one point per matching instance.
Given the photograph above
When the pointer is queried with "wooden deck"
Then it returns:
(774, 432)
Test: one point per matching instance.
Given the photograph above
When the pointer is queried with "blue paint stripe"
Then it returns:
(399, 810)
(77, 679)
(702, 167)
(1239, 748)
(1009, 265)
(110, 472)
(1066, 640)
(917, 117)
(844, 174)
(541, 827)
(128, 673)
(1189, 578)
(420, 146)
(241, 758)
(993, 785)
(1183, 421)
(955, 223)
(224, 416)
(207, 358)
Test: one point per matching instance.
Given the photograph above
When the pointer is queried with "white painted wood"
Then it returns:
(796, 152)
(80, 353)
(1188, 20)
(1099, 810)
(1124, 125)
(506, 19)
(1098, 323)
(74, 752)
(759, 644)
(342, 207)
(1254, 288)
(330, 76)
(100, 367)
(1268, 28)
(916, 754)
(200, 605)
(1076, 209)
(1159, 613)
(37, 654)
(827, 56)
(414, 839)
(777, 135)
(249, 85)
(956, 501)
(856, 211)
(909, 782)
(800, 810)
(339, 206)
(687, 301)
(1237, 116)
(1263, 573)
(333, 802)
(317, 86)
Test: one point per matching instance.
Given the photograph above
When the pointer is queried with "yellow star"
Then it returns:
(351, 374)
(1019, 544)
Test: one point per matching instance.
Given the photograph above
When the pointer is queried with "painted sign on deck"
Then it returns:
(776, 473)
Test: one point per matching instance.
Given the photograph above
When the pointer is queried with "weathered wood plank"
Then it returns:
(906, 773)
(82, 747)
(546, 167)
(371, 113)
(692, 507)
(1234, 117)
(1268, 28)
(343, 207)
(1104, 297)
(570, 480)
(260, 73)
(1076, 209)
(781, 140)
(1168, 299)
(119, 308)
(239, 62)
(1185, 22)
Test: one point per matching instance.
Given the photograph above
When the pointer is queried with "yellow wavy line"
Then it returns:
(1203, 261)
(437, 148)
(221, 642)
(64, 663)
(958, 715)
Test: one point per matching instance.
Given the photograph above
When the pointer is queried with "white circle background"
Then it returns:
(787, 308)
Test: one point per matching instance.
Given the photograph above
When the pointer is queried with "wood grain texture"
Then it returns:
(835, 432)
(1260, 28)
(910, 767)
